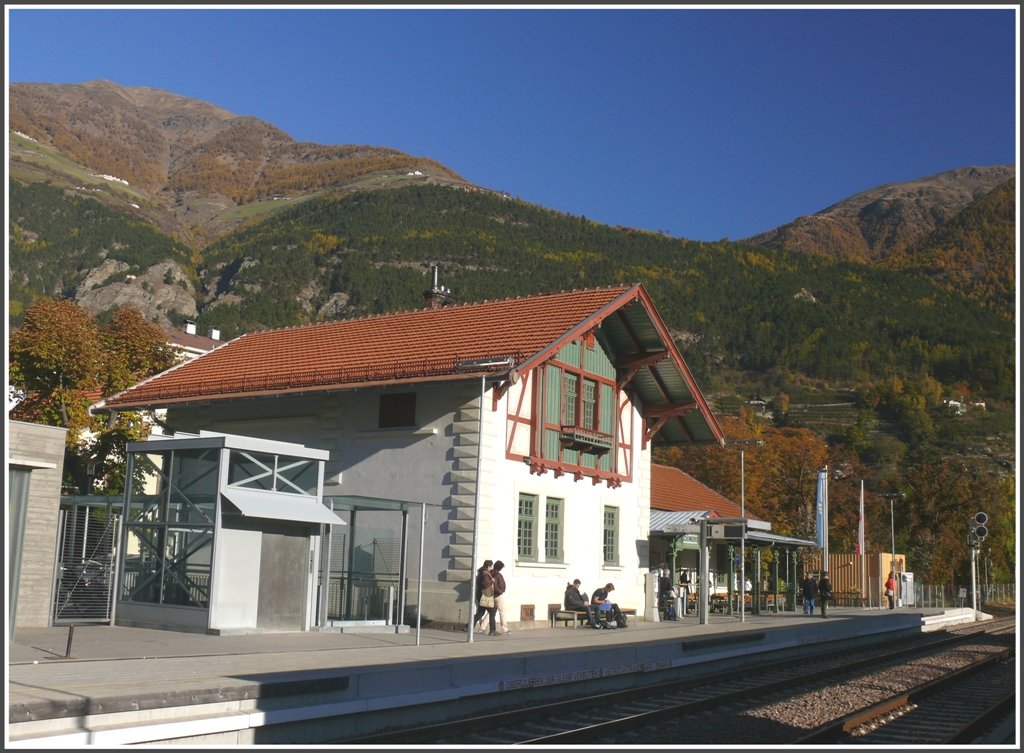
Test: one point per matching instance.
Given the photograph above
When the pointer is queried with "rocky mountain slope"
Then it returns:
(172, 205)
(877, 223)
(194, 169)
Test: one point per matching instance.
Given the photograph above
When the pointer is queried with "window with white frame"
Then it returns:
(589, 419)
(569, 397)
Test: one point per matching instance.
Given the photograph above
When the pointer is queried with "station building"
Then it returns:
(517, 430)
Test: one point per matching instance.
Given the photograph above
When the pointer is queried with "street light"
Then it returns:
(892, 528)
(743, 514)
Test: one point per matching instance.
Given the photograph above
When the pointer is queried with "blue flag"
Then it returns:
(819, 518)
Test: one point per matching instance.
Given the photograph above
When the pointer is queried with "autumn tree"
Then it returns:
(61, 362)
(55, 358)
(941, 501)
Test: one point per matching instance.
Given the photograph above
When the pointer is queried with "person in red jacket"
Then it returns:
(890, 590)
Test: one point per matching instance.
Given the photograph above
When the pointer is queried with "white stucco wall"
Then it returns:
(542, 583)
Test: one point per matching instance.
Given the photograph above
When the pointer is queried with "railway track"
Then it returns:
(783, 700)
(959, 708)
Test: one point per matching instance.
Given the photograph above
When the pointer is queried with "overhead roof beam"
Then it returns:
(633, 365)
(668, 409)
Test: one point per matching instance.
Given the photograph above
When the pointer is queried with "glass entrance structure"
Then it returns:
(219, 534)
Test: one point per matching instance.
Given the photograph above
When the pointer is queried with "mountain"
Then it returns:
(191, 168)
(135, 197)
(975, 252)
(872, 225)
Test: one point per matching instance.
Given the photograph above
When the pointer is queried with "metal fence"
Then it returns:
(952, 595)
(942, 597)
(87, 539)
(366, 597)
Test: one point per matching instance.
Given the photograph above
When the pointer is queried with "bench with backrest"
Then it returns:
(575, 617)
(567, 616)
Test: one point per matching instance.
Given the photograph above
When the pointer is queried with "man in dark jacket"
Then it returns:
(810, 591)
(824, 593)
(577, 602)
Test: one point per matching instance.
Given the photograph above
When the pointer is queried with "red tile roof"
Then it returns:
(418, 345)
(673, 489)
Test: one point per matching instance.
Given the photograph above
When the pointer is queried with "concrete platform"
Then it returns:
(123, 685)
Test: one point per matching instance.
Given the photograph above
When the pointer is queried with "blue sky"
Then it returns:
(702, 123)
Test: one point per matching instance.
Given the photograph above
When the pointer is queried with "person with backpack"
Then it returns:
(600, 599)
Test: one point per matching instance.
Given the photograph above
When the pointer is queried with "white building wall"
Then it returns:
(542, 583)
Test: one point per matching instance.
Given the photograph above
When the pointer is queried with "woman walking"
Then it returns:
(485, 595)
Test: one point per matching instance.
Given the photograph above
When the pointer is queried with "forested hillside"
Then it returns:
(732, 306)
(64, 245)
(974, 253)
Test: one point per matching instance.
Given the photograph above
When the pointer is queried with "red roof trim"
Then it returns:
(587, 324)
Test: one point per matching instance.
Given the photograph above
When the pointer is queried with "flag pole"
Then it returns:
(860, 545)
(824, 565)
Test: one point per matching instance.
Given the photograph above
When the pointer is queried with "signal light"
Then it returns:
(980, 530)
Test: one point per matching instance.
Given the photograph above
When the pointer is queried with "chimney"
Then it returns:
(214, 334)
(190, 327)
(438, 296)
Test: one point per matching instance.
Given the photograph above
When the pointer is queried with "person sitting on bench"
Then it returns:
(604, 604)
(577, 602)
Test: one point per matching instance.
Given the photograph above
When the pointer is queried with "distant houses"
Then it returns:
(112, 178)
(959, 407)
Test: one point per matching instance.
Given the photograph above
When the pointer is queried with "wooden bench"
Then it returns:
(567, 616)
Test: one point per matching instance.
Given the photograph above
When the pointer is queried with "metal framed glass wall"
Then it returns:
(169, 527)
(363, 563)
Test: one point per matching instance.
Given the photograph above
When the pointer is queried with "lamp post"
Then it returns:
(478, 365)
(743, 514)
(892, 530)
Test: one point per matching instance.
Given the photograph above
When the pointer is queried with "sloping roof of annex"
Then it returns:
(454, 342)
(672, 489)
(678, 500)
